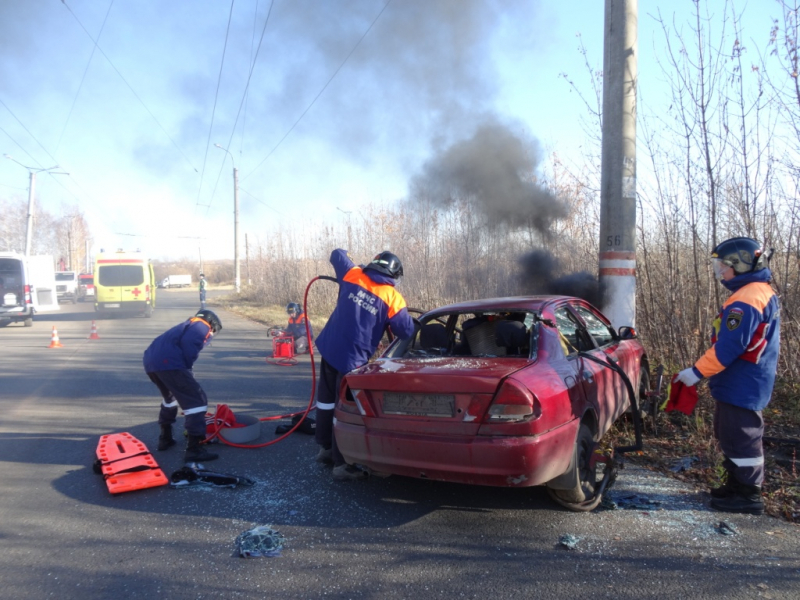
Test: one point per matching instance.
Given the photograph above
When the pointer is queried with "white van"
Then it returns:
(67, 285)
(27, 287)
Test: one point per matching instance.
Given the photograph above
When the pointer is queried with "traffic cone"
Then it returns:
(94, 335)
(54, 343)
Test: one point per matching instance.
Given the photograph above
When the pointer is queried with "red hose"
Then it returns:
(218, 426)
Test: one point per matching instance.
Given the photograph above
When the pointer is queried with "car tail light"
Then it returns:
(513, 403)
(27, 294)
(362, 402)
(357, 400)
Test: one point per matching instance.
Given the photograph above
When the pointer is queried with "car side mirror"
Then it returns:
(626, 332)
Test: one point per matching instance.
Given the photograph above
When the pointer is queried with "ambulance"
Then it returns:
(124, 282)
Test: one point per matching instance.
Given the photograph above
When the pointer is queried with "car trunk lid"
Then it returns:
(440, 395)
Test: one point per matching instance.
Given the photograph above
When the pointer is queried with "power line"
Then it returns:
(16, 142)
(70, 192)
(125, 81)
(11, 112)
(214, 110)
(261, 201)
(83, 78)
(244, 97)
(336, 72)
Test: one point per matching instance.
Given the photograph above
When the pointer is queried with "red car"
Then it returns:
(499, 392)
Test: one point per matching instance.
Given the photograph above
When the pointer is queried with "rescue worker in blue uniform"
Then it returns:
(740, 367)
(297, 327)
(368, 303)
(168, 363)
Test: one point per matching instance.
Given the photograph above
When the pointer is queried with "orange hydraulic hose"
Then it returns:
(305, 412)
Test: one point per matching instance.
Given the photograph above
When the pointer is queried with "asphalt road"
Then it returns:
(63, 535)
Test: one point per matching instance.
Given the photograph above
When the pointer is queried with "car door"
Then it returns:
(609, 391)
(579, 382)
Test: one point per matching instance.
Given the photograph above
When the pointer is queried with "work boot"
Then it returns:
(165, 440)
(324, 456)
(348, 473)
(746, 499)
(729, 486)
(195, 452)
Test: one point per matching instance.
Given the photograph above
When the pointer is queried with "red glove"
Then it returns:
(681, 397)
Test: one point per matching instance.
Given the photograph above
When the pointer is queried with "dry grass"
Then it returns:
(269, 315)
(684, 448)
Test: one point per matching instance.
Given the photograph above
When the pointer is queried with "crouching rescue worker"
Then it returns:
(368, 302)
(741, 366)
(168, 363)
(297, 327)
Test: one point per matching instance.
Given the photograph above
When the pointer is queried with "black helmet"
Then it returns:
(387, 263)
(293, 306)
(742, 254)
(210, 317)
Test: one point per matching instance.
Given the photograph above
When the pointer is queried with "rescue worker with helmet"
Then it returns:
(297, 327)
(168, 363)
(368, 303)
(740, 367)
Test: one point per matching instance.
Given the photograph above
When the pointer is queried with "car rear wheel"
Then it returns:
(581, 498)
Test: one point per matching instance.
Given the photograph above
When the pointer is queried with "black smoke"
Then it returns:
(540, 276)
(495, 169)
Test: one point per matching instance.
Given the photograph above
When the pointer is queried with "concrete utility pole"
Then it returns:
(618, 176)
(29, 228)
(247, 258)
(33, 172)
(236, 266)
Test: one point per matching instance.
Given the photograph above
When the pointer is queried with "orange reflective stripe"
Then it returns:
(756, 294)
(390, 296)
(196, 319)
(708, 364)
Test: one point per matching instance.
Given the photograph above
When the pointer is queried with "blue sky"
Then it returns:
(346, 101)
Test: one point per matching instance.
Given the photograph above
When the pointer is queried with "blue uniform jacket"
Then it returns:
(743, 359)
(177, 348)
(367, 303)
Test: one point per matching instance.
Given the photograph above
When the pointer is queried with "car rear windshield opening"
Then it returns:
(500, 333)
(116, 275)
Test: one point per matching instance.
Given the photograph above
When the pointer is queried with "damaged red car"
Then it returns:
(511, 392)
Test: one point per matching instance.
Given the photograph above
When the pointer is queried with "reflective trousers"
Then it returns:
(327, 392)
(739, 432)
(180, 388)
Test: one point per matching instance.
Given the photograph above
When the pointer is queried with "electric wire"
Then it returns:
(28, 131)
(83, 78)
(214, 109)
(336, 72)
(18, 144)
(247, 90)
(125, 81)
(241, 103)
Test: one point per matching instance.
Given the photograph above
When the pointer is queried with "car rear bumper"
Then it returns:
(478, 460)
(16, 313)
(138, 307)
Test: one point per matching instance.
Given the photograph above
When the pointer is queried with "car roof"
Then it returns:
(527, 303)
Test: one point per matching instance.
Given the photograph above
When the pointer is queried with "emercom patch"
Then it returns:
(734, 318)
